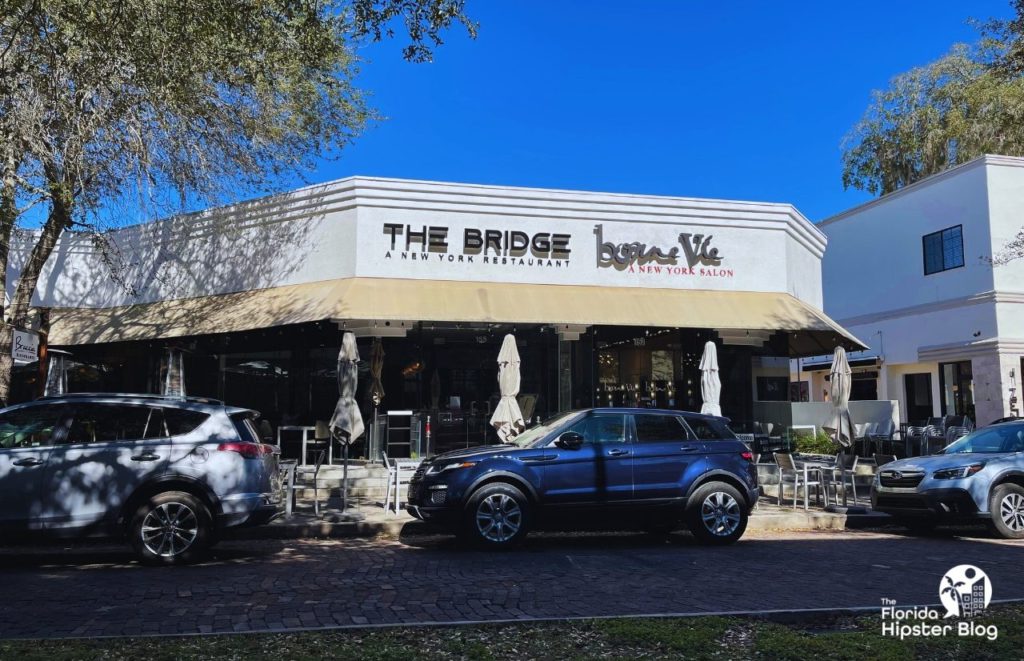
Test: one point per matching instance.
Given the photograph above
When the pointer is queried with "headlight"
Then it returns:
(434, 469)
(958, 472)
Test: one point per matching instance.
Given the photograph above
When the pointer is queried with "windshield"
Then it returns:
(536, 434)
(998, 438)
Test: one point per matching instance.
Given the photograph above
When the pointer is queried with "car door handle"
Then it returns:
(28, 461)
(617, 453)
(689, 448)
(148, 456)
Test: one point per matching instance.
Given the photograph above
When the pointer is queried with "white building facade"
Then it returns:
(912, 275)
(612, 297)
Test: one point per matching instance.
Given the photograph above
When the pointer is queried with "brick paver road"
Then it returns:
(273, 585)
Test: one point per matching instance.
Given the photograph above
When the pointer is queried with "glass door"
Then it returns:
(956, 383)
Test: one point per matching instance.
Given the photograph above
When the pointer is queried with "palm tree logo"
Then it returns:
(953, 589)
(965, 591)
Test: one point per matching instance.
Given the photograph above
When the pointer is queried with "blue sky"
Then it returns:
(744, 100)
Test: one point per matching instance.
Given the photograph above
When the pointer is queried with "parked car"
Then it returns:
(613, 468)
(979, 477)
(166, 474)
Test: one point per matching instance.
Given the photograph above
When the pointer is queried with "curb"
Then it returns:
(312, 529)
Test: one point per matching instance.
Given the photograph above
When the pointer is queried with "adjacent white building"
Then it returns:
(911, 275)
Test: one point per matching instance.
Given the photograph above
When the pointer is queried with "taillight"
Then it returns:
(247, 450)
(748, 455)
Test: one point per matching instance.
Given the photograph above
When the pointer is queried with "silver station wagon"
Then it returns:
(166, 474)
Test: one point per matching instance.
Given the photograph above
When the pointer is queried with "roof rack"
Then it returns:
(122, 395)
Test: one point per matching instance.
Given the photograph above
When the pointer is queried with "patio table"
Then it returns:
(818, 466)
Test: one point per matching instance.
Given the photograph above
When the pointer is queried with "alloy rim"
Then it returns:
(169, 529)
(498, 517)
(721, 514)
(1012, 512)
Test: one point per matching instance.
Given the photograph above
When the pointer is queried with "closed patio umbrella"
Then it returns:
(710, 383)
(839, 392)
(507, 418)
(376, 368)
(347, 422)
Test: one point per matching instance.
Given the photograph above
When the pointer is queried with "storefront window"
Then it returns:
(258, 380)
(956, 384)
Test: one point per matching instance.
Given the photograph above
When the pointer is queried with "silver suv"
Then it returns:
(168, 474)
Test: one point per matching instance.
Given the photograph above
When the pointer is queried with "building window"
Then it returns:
(956, 385)
(943, 250)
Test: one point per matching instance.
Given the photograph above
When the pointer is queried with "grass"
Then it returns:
(682, 638)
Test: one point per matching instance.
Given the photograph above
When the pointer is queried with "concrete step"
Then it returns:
(363, 492)
(337, 472)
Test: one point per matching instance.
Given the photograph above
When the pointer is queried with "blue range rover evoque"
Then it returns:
(611, 468)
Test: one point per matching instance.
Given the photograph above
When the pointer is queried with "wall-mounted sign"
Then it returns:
(683, 253)
(25, 347)
(696, 248)
(484, 246)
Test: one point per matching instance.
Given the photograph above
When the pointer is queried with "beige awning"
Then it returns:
(811, 332)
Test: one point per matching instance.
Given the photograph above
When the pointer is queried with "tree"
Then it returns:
(173, 102)
(934, 117)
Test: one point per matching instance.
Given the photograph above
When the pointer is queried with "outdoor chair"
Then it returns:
(842, 474)
(862, 437)
(914, 439)
(954, 433)
(883, 459)
(798, 477)
(934, 439)
(883, 434)
(321, 441)
(400, 472)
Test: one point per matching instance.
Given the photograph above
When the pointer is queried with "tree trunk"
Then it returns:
(8, 214)
(58, 220)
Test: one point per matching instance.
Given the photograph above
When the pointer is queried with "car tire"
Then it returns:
(1007, 507)
(497, 516)
(716, 513)
(171, 528)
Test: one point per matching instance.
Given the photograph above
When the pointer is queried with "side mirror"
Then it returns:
(570, 440)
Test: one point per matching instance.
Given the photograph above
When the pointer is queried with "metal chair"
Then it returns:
(914, 436)
(400, 473)
(846, 470)
(862, 433)
(321, 442)
(788, 472)
(954, 433)
(934, 437)
(883, 459)
(883, 434)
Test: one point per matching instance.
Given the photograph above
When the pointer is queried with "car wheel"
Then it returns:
(1007, 507)
(497, 517)
(171, 528)
(716, 514)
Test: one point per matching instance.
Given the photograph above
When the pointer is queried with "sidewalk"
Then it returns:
(377, 523)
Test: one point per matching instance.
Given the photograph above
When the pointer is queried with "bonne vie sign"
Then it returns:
(698, 256)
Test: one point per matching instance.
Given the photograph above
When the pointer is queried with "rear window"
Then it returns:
(180, 421)
(244, 428)
(709, 429)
